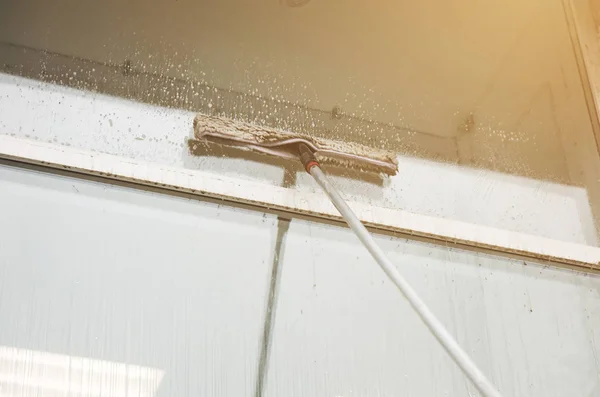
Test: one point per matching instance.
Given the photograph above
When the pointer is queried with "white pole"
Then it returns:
(435, 326)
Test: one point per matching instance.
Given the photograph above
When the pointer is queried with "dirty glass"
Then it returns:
(482, 101)
(110, 290)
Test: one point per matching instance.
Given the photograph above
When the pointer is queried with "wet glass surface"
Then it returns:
(487, 90)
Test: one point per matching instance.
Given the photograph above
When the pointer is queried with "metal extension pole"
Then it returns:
(435, 326)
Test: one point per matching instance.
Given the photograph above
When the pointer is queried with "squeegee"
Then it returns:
(312, 152)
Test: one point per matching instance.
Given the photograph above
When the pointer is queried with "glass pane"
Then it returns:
(110, 290)
(343, 329)
(482, 101)
(106, 290)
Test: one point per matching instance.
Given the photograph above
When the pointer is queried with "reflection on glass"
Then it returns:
(33, 373)
(476, 85)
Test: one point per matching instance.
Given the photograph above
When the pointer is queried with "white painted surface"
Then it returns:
(343, 330)
(106, 273)
(111, 125)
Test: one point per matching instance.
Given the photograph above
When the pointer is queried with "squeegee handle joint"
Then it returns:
(307, 157)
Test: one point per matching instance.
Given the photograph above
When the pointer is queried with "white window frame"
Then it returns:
(296, 203)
